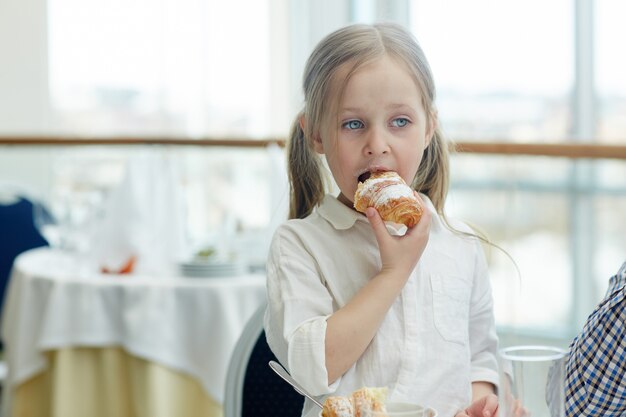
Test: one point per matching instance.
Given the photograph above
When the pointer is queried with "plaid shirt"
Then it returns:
(595, 373)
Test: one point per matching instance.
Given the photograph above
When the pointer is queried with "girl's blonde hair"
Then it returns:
(358, 45)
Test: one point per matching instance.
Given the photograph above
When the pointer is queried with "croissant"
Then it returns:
(369, 398)
(363, 398)
(337, 406)
(391, 196)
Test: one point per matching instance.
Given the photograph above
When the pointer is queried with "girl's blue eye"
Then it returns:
(353, 124)
(400, 122)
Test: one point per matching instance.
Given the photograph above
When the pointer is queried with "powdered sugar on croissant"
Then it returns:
(366, 398)
(391, 196)
(337, 406)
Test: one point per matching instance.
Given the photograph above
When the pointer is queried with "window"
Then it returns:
(610, 70)
(506, 71)
(164, 67)
(503, 69)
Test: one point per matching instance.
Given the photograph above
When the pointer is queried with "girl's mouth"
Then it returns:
(364, 176)
(367, 174)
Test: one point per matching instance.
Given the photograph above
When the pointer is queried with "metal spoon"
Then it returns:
(278, 368)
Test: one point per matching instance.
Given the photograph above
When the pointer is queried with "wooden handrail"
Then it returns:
(564, 150)
(152, 140)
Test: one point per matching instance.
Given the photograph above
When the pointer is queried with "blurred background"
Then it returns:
(229, 72)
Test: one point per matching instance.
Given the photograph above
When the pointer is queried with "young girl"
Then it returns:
(350, 305)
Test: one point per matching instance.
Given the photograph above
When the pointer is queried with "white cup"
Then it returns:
(401, 410)
(532, 381)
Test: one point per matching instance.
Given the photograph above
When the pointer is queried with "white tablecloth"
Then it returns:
(188, 324)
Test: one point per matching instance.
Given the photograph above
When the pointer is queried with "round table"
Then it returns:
(81, 344)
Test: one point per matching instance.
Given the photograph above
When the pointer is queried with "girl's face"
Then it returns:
(380, 125)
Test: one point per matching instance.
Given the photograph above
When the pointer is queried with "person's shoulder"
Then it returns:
(294, 228)
(620, 276)
(461, 226)
(455, 235)
(444, 223)
(457, 228)
(312, 219)
(295, 237)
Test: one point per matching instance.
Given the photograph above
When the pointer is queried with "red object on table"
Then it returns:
(127, 268)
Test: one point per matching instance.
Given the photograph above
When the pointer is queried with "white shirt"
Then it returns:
(438, 336)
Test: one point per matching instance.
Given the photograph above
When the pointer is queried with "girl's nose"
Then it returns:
(377, 143)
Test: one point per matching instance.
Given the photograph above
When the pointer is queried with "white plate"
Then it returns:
(406, 410)
(206, 269)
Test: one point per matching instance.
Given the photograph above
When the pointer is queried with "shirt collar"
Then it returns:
(618, 280)
(343, 217)
(338, 214)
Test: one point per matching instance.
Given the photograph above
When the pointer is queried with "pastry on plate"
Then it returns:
(366, 398)
(338, 406)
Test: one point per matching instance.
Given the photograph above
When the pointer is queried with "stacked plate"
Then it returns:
(201, 269)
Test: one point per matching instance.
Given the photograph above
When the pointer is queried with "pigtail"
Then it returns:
(305, 179)
(432, 176)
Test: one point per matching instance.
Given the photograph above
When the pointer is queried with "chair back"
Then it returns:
(252, 388)
(17, 234)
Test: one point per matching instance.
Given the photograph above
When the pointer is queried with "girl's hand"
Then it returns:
(350, 330)
(517, 409)
(399, 254)
(486, 406)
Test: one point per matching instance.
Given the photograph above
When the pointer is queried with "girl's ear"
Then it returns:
(432, 126)
(318, 146)
(301, 121)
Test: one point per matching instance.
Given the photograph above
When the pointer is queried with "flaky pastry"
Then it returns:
(338, 406)
(394, 200)
(366, 398)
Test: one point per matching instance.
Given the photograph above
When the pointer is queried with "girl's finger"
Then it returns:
(491, 404)
(380, 231)
(423, 226)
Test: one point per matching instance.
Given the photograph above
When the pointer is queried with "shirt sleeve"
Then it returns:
(298, 307)
(482, 327)
(595, 371)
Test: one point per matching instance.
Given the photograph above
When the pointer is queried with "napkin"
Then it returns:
(143, 219)
(396, 229)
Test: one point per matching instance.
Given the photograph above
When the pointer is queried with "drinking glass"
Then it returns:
(67, 220)
(400, 410)
(47, 224)
(532, 381)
